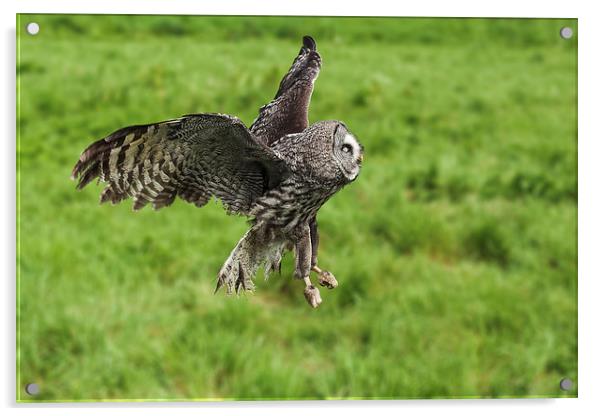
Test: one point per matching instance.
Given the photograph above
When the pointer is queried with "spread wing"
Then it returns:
(287, 113)
(194, 157)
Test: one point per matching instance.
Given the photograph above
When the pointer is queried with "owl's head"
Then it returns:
(347, 152)
(326, 150)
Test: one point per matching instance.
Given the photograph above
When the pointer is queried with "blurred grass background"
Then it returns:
(456, 249)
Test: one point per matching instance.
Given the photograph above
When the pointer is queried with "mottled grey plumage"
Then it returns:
(288, 112)
(279, 172)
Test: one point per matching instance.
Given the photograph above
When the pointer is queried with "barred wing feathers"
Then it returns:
(194, 157)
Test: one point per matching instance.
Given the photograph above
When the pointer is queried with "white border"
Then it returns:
(460, 8)
(590, 201)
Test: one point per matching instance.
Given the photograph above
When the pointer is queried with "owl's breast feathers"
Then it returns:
(293, 202)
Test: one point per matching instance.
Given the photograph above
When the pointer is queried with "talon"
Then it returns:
(312, 295)
(327, 279)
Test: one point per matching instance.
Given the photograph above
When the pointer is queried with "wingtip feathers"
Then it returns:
(309, 43)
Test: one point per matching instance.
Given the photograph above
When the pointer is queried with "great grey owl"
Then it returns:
(278, 173)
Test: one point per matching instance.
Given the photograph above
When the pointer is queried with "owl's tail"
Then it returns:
(260, 245)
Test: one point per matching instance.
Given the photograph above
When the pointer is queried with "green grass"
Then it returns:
(455, 250)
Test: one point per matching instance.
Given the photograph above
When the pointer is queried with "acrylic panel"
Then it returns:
(408, 185)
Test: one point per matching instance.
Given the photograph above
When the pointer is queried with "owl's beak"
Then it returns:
(360, 159)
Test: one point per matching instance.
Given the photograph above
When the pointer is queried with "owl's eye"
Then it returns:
(346, 148)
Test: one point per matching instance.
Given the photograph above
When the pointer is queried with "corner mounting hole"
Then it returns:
(566, 32)
(566, 384)
(33, 28)
(32, 389)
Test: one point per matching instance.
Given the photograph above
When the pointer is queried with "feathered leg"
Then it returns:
(303, 265)
(263, 244)
(325, 278)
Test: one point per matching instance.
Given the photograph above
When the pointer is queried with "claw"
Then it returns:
(312, 295)
(325, 278)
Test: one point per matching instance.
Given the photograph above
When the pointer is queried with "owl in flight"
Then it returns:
(278, 173)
